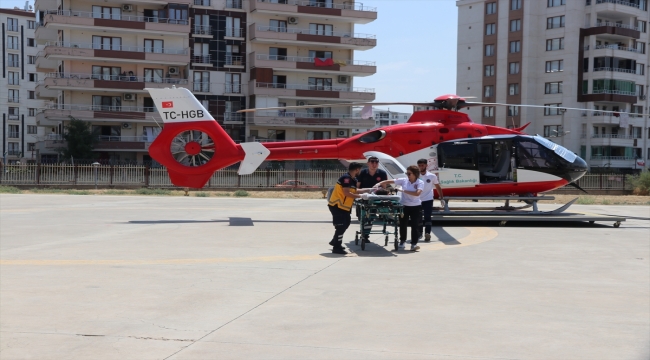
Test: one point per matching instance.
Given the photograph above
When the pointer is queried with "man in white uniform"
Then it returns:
(429, 180)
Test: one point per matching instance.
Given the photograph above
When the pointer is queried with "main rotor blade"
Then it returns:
(337, 105)
(551, 107)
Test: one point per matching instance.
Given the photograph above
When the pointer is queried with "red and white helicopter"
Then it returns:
(471, 159)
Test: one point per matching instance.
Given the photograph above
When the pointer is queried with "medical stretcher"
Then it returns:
(383, 210)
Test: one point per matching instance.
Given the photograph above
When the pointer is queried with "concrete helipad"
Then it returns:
(101, 277)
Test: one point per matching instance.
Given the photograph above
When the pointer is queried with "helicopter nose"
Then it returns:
(578, 168)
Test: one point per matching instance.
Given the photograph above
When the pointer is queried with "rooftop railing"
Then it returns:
(311, 59)
(313, 87)
(121, 16)
(145, 49)
(118, 77)
(316, 32)
(331, 5)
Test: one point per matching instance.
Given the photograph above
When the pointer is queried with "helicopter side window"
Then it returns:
(485, 156)
(533, 155)
(372, 137)
(457, 155)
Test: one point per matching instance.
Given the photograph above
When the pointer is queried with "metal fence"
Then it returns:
(140, 175)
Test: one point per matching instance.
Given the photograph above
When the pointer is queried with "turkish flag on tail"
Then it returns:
(167, 104)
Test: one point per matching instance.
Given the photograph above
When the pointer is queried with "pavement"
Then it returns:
(120, 277)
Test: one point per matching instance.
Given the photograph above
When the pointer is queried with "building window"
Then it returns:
(107, 43)
(31, 147)
(233, 83)
(489, 50)
(489, 91)
(12, 24)
(31, 59)
(515, 46)
(554, 44)
(31, 24)
(554, 66)
(491, 8)
(513, 89)
(278, 25)
(515, 25)
(154, 46)
(613, 86)
(640, 69)
(513, 110)
(12, 42)
(552, 109)
(12, 60)
(31, 42)
(490, 29)
(513, 68)
(13, 113)
(14, 95)
(489, 70)
(642, 25)
(553, 3)
(515, 4)
(31, 129)
(553, 88)
(33, 77)
(320, 84)
(488, 111)
(552, 130)
(31, 95)
(32, 112)
(555, 22)
(318, 135)
(14, 132)
(14, 78)
(202, 81)
(321, 29)
(105, 12)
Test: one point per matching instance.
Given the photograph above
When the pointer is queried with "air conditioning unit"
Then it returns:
(127, 7)
(342, 133)
(642, 97)
(129, 97)
(292, 20)
(343, 79)
(126, 125)
(302, 103)
(173, 70)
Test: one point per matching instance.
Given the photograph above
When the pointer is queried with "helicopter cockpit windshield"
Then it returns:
(561, 151)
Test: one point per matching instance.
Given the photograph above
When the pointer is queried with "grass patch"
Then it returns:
(77, 192)
(586, 200)
(46, 191)
(117, 192)
(224, 194)
(606, 202)
(147, 191)
(241, 193)
(201, 194)
(9, 190)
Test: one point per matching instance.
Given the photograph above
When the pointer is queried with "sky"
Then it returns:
(415, 52)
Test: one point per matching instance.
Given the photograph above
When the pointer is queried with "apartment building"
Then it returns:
(588, 54)
(302, 53)
(98, 56)
(381, 118)
(18, 101)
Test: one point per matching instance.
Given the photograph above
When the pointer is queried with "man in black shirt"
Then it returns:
(367, 179)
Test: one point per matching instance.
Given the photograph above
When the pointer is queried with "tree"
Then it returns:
(80, 140)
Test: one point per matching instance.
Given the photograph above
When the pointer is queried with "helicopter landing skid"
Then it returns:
(507, 213)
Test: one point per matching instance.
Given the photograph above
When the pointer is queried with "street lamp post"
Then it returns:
(95, 165)
(562, 111)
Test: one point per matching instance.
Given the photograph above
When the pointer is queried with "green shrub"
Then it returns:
(640, 183)
(201, 194)
(115, 192)
(147, 191)
(77, 192)
(241, 193)
(9, 190)
(222, 194)
(606, 202)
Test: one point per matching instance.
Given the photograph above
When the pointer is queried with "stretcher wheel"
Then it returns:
(386, 241)
(363, 244)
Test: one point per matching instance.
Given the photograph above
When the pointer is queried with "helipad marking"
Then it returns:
(476, 236)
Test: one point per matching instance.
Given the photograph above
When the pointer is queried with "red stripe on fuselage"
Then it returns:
(502, 189)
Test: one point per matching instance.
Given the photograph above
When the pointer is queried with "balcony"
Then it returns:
(235, 34)
(306, 91)
(125, 143)
(14, 152)
(611, 96)
(201, 87)
(234, 5)
(122, 23)
(201, 60)
(616, 7)
(13, 134)
(611, 161)
(44, 64)
(119, 53)
(202, 31)
(620, 140)
(614, 51)
(13, 117)
(307, 119)
(54, 113)
(350, 11)
(13, 99)
(234, 61)
(117, 83)
(13, 64)
(233, 89)
(275, 35)
(307, 64)
(205, 3)
(615, 30)
(233, 118)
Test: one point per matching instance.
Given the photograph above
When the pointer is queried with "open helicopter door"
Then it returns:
(393, 168)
